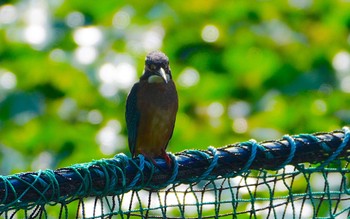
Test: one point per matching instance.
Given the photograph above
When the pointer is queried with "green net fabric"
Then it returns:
(302, 176)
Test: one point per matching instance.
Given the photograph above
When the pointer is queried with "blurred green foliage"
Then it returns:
(244, 69)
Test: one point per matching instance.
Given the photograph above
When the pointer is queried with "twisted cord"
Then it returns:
(118, 171)
(212, 165)
(140, 168)
(252, 145)
(54, 184)
(291, 154)
(213, 161)
(339, 149)
(83, 173)
(175, 169)
(313, 138)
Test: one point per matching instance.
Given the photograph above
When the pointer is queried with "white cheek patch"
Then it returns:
(155, 79)
(158, 79)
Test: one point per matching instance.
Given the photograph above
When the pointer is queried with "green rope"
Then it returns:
(291, 154)
(253, 146)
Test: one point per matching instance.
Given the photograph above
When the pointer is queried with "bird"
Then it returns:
(151, 109)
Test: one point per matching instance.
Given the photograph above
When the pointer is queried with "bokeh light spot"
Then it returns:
(126, 74)
(115, 77)
(8, 80)
(319, 107)
(121, 20)
(57, 55)
(239, 109)
(67, 109)
(341, 62)
(240, 125)
(210, 33)
(345, 84)
(75, 19)
(8, 14)
(153, 38)
(87, 36)
(215, 110)
(301, 4)
(85, 54)
(43, 161)
(188, 77)
(140, 40)
(107, 72)
(37, 14)
(109, 138)
(277, 30)
(35, 34)
(108, 90)
(95, 117)
(265, 133)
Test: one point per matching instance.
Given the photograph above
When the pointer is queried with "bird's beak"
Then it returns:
(162, 74)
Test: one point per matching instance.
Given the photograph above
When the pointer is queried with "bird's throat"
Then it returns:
(153, 79)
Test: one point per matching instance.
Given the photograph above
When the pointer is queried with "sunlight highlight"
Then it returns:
(345, 84)
(85, 54)
(115, 77)
(210, 33)
(35, 34)
(75, 19)
(215, 110)
(95, 117)
(153, 38)
(240, 125)
(121, 20)
(341, 62)
(87, 36)
(239, 109)
(8, 14)
(110, 139)
(188, 77)
(8, 80)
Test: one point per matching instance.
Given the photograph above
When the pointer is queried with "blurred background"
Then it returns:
(243, 69)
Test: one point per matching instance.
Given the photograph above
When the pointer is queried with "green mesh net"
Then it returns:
(301, 176)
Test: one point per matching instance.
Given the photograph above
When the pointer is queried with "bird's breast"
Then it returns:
(157, 105)
(159, 96)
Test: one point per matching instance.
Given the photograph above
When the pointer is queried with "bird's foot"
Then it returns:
(166, 158)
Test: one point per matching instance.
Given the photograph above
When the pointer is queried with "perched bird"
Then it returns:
(151, 109)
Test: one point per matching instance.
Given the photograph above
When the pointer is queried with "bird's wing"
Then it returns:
(132, 115)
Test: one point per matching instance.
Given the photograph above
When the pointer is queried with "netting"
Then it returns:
(301, 176)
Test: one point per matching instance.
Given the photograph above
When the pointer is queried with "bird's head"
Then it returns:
(157, 68)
